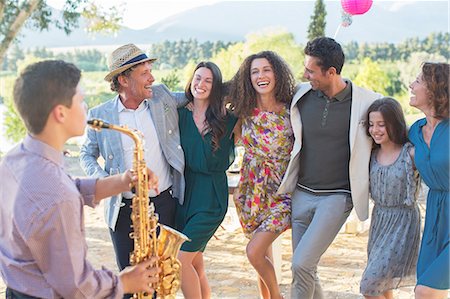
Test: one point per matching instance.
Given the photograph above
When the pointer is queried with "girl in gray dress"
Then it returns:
(395, 226)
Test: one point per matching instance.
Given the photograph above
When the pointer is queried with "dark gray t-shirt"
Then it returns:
(325, 153)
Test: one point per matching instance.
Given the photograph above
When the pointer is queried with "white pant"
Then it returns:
(316, 220)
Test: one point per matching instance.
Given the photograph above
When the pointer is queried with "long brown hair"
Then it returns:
(215, 118)
(436, 77)
(241, 93)
(394, 119)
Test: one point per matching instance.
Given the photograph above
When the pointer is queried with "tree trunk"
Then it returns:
(16, 25)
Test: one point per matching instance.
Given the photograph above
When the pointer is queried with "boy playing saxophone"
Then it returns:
(42, 239)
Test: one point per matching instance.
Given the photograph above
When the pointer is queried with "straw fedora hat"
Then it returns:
(123, 58)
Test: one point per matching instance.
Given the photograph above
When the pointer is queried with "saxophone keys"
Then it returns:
(166, 265)
(167, 282)
(176, 266)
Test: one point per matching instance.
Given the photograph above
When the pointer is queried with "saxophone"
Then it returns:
(145, 222)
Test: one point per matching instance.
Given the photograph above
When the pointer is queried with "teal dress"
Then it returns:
(433, 165)
(206, 196)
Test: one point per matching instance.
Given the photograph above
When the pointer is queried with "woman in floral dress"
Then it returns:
(261, 93)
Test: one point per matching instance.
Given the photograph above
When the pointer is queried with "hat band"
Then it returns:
(137, 58)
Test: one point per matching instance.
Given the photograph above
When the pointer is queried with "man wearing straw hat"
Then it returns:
(151, 110)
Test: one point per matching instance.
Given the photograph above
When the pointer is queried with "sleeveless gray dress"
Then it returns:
(394, 235)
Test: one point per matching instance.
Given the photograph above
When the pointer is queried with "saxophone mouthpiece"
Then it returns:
(98, 124)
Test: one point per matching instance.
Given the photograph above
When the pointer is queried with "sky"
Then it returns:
(142, 14)
(139, 14)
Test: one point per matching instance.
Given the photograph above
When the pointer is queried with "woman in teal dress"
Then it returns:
(206, 135)
(430, 136)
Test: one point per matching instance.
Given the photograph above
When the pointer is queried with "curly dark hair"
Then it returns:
(328, 53)
(215, 118)
(41, 87)
(241, 93)
(114, 85)
(394, 119)
(436, 77)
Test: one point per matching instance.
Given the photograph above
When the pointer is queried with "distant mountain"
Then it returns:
(386, 21)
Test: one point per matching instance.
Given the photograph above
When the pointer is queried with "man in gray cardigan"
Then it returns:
(153, 111)
(329, 168)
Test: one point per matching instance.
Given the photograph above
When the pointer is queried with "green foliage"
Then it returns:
(103, 20)
(186, 72)
(172, 81)
(383, 67)
(14, 127)
(171, 55)
(407, 72)
(96, 89)
(27, 60)
(409, 68)
(87, 60)
(434, 43)
(371, 76)
(318, 22)
(281, 42)
(15, 55)
(41, 15)
(277, 40)
(93, 100)
(229, 60)
(175, 54)
(37, 14)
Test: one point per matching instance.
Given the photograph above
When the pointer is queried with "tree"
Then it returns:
(279, 41)
(38, 15)
(351, 51)
(172, 81)
(14, 55)
(318, 23)
(371, 76)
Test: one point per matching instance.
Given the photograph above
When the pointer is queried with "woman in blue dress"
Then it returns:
(430, 136)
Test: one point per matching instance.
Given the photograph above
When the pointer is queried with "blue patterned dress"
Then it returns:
(394, 236)
(433, 165)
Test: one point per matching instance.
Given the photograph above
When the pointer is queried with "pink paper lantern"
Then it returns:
(356, 7)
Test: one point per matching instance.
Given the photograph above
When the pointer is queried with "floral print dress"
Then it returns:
(268, 141)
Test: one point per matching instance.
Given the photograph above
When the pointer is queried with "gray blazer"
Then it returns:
(108, 145)
(360, 147)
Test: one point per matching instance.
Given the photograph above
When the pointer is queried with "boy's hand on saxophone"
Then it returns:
(115, 184)
(139, 278)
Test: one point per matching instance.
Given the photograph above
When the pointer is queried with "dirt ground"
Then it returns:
(229, 272)
(232, 276)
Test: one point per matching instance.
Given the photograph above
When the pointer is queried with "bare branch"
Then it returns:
(2, 9)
